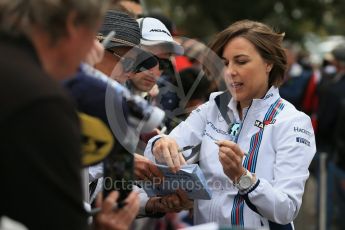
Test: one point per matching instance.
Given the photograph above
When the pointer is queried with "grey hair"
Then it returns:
(19, 16)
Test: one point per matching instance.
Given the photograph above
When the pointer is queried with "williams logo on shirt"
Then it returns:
(220, 117)
(268, 96)
(262, 125)
(259, 124)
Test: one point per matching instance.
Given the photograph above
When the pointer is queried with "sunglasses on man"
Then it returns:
(164, 63)
(143, 63)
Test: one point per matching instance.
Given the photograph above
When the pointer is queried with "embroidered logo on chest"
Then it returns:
(220, 117)
(234, 129)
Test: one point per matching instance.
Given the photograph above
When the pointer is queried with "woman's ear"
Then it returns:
(269, 67)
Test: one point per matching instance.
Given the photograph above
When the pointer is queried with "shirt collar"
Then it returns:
(258, 104)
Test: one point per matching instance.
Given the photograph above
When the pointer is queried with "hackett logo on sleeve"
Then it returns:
(301, 130)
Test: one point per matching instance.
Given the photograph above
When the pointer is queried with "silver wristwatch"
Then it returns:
(245, 181)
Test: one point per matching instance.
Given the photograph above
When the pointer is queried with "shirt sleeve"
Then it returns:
(279, 200)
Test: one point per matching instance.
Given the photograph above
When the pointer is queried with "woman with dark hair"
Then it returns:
(255, 146)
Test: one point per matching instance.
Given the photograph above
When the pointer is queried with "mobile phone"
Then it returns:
(118, 169)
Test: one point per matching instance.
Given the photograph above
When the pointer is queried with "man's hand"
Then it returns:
(144, 169)
(120, 219)
(169, 203)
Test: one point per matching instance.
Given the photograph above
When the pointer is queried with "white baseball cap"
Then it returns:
(154, 32)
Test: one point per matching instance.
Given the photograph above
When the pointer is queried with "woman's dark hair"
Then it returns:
(267, 42)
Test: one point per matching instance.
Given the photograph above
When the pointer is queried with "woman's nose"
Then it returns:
(230, 70)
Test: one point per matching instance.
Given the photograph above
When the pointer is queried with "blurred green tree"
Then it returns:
(202, 18)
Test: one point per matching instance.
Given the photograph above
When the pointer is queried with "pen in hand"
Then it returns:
(217, 143)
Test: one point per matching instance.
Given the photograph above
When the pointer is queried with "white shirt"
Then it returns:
(281, 144)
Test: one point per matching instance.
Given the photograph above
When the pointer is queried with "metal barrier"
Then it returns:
(323, 192)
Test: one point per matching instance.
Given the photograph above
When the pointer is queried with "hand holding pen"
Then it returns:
(231, 156)
(219, 144)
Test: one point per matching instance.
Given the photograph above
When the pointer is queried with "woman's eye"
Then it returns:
(226, 62)
(241, 62)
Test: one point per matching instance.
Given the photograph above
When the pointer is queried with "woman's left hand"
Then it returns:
(230, 156)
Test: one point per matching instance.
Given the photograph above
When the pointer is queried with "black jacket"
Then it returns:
(39, 144)
(331, 93)
(340, 137)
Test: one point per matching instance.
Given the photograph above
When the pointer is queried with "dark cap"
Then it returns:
(127, 32)
(339, 52)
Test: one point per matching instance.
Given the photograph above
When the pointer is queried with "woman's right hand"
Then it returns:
(166, 151)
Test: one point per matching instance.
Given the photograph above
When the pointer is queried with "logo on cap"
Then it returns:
(160, 30)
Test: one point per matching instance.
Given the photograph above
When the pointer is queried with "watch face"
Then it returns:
(245, 182)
